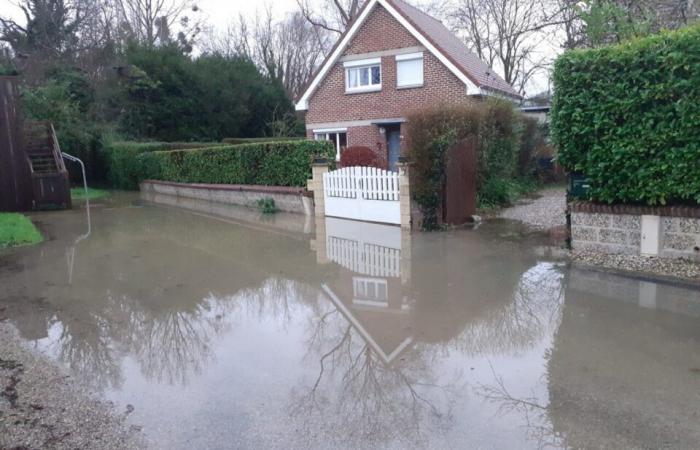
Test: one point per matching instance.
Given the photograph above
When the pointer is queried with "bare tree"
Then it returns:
(149, 20)
(331, 15)
(288, 50)
(509, 35)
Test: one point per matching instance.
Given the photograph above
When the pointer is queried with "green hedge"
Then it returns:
(628, 116)
(286, 163)
(236, 141)
(122, 166)
(498, 128)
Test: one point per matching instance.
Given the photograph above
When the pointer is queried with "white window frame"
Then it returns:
(360, 290)
(326, 131)
(410, 57)
(363, 64)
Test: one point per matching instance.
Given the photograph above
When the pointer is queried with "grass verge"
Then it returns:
(78, 193)
(16, 229)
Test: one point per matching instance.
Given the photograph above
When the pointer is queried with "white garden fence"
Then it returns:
(362, 193)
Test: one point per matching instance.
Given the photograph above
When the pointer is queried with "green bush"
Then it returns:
(500, 191)
(125, 170)
(431, 132)
(266, 205)
(628, 117)
(286, 163)
(236, 141)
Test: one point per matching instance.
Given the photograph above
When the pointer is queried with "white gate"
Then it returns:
(362, 193)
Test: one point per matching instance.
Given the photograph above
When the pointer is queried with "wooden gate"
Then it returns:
(459, 195)
(362, 193)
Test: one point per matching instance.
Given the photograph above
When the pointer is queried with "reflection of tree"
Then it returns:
(530, 408)
(534, 310)
(89, 352)
(360, 396)
(169, 345)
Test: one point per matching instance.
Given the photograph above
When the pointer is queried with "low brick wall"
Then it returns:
(618, 229)
(289, 199)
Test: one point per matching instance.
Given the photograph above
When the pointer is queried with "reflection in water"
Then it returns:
(364, 336)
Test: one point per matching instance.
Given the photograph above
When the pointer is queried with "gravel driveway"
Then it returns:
(41, 406)
(545, 211)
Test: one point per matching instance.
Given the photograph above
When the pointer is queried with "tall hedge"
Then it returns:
(122, 166)
(286, 163)
(628, 117)
(497, 128)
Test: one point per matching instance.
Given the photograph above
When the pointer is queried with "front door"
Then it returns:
(393, 145)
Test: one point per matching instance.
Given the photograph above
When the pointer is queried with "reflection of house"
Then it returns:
(368, 290)
(393, 299)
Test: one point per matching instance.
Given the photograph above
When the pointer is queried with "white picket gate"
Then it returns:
(362, 193)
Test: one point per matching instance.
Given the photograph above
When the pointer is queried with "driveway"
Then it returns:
(545, 210)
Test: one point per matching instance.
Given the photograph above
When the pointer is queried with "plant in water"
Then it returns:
(266, 205)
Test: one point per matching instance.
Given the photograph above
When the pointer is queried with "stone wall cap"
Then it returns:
(666, 211)
(236, 187)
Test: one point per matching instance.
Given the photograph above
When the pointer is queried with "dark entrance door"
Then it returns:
(393, 145)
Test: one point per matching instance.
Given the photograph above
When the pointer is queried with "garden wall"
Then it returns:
(667, 232)
(289, 199)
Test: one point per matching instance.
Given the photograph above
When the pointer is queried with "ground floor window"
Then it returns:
(338, 137)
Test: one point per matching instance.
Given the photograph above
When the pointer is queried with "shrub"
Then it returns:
(432, 132)
(266, 205)
(285, 163)
(498, 191)
(628, 116)
(361, 156)
(124, 170)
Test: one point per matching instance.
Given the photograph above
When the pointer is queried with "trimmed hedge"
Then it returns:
(236, 141)
(286, 163)
(628, 117)
(122, 166)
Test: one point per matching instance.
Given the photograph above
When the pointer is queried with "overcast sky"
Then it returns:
(217, 12)
(220, 13)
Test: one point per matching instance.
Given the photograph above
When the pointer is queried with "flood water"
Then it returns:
(223, 328)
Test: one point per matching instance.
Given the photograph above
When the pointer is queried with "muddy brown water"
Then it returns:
(223, 328)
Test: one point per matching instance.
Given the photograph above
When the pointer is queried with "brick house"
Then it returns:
(392, 59)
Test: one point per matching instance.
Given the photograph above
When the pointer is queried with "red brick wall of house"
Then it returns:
(365, 136)
(330, 103)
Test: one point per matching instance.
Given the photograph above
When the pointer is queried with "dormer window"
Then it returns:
(363, 75)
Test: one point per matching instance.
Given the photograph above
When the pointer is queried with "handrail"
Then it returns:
(71, 256)
(57, 152)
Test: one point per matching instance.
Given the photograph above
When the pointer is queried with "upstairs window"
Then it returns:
(363, 75)
(409, 70)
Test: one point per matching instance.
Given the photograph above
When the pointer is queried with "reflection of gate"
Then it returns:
(362, 193)
(364, 248)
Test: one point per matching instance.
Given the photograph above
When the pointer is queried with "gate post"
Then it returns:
(404, 194)
(315, 184)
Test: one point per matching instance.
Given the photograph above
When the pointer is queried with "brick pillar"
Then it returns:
(404, 194)
(315, 184)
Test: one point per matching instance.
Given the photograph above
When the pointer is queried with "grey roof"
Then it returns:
(454, 49)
